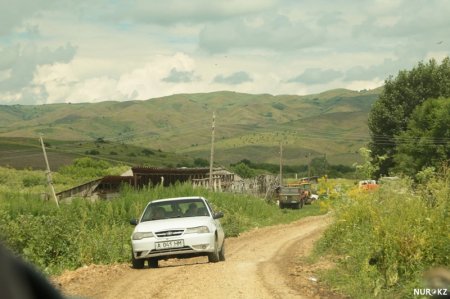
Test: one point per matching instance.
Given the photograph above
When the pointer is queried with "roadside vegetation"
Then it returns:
(384, 241)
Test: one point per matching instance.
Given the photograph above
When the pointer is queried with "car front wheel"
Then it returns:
(222, 252)
(137, 263)
(213, 257)
(153, 262)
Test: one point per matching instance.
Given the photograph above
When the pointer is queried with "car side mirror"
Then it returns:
(134, 222)
(218, 215)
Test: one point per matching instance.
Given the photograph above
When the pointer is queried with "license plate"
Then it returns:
(169, 244)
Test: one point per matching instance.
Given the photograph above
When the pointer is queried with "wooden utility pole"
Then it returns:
(211, 161)
(49, 174)
(309, 164)
(281, 163)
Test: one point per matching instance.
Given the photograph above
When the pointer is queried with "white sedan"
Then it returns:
(181, 227)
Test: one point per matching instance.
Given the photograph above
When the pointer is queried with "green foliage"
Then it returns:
(318, 166)
(383, 241)
(86, 169)
(83, 232)
(92, 152)
(279, 106)
(148, 152)
(33, 179)
(426, 141)
(367, 169)
(200, 162)
(244, 171)
(401, 95)
(12, 180)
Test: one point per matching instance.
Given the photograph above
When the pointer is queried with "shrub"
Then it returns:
(389, 237)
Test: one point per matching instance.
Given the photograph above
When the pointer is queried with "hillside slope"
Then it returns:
(247, 126)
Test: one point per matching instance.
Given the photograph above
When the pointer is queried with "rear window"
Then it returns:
(191, 207)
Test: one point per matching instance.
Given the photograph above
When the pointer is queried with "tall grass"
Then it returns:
(385, 240)
(84, 232)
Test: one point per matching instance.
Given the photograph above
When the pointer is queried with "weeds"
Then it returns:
(386, 239)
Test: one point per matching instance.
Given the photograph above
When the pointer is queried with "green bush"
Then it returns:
(32, 180)
(388, 238)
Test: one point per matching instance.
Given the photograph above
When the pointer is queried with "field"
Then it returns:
(23, 153)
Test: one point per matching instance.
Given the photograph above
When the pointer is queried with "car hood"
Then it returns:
(174, 223)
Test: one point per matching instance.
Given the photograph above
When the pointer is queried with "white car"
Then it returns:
(181, 227)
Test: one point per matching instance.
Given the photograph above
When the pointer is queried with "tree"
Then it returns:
(147, 152)
(243, 170)
(318, 166)
(390, 114)
(369, 166)
(200, 162)
(426, 141)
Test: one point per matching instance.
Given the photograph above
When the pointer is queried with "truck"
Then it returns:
(306, 186)
(290, 197)
(367, 185)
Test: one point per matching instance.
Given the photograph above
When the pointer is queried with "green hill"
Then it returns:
(247, 126)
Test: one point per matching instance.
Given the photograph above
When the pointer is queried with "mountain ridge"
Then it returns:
(182, 123)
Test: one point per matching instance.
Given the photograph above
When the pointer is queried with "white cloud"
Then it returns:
(60, 51)
(20, 64)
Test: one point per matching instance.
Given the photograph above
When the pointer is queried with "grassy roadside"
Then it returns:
(83, 233)
(383, 242)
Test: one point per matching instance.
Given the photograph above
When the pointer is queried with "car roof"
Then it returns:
(176, 198)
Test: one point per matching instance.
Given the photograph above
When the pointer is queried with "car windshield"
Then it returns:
(190, 207)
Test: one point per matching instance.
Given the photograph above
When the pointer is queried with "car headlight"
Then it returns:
(197, 230)
(141, 235)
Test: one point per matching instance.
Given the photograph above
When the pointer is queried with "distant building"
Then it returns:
(105, 188)
(108, 187)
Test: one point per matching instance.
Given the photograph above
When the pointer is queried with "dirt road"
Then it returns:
(262, 263)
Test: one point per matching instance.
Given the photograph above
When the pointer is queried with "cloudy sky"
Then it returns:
(88, 51)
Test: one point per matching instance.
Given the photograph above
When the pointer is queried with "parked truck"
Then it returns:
(289, 197)
(307, 187)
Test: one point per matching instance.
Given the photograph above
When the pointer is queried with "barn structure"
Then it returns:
(109, 186)
(150, 176)
(105, 188)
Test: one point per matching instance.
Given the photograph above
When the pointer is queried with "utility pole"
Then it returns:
(281, 163)
(309, 164)
(211, 161)
(49, 174)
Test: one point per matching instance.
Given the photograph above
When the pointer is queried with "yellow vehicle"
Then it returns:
(305, 187)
